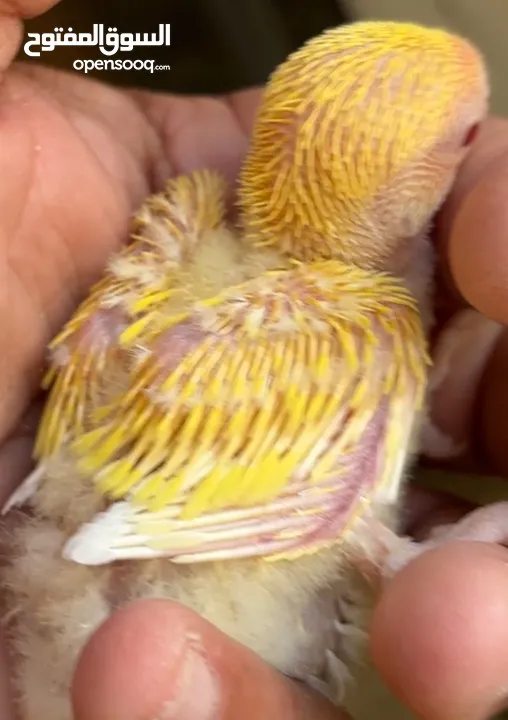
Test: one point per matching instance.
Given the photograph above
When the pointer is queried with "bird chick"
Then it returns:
(232, 409)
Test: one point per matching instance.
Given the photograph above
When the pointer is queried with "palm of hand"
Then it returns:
(80, 157)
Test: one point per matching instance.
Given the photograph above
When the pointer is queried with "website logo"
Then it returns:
(109, 42)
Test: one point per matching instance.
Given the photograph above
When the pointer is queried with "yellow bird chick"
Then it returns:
(232, 409)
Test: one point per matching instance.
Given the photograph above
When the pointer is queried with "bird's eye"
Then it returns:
(471, 135)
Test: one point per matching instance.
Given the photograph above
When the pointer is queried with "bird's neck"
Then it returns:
(414, 264)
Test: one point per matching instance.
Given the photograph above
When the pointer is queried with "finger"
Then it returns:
(16, 456)
(471, 229)
(7, 710)
(491, 142)
(440, 632)
(492, 410)
(478, 251)
(157, 659)
(425, 509)
(15, 464)
(469, 398)
(11, 27)
(471, 242)
(199, 132)
(461, 353)
(245, 104)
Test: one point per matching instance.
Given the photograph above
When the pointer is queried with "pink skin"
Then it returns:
(487, 524)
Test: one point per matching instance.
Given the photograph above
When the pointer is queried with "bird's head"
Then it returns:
(358, 140)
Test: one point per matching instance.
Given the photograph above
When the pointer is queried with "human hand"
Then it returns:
(79, 157)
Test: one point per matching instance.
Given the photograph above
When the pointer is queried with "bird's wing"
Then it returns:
(89, 363)
(259, 423)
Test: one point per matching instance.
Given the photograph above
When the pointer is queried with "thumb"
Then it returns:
(157, 659)
(11, 28)
(440, 632)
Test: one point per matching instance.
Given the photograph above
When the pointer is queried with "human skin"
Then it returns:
(79, 157)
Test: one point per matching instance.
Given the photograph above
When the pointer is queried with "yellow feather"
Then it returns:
(251, 453)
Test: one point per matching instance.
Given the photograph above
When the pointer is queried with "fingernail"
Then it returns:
(196, 694)
(460, 357)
